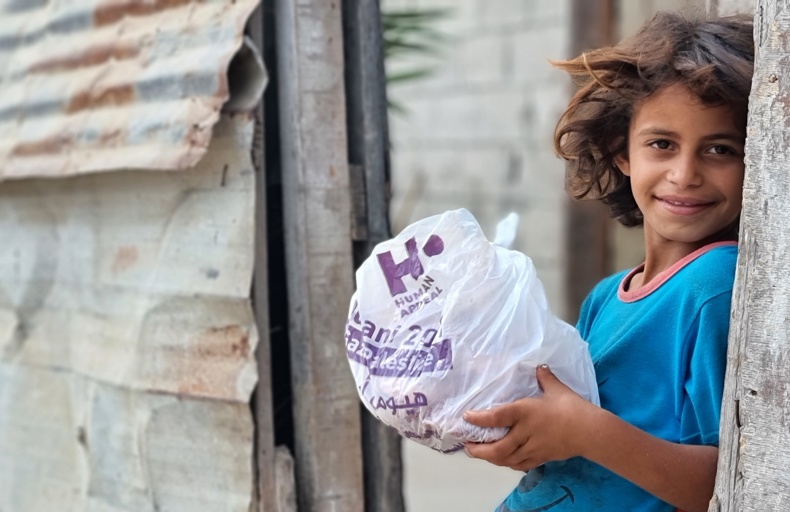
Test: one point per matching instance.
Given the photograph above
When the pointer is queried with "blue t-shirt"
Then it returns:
(660, 357)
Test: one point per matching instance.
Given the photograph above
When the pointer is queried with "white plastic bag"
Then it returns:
(443, 321)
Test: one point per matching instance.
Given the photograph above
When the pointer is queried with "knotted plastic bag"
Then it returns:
(444, 321)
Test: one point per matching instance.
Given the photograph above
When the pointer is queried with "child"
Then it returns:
(656, 131)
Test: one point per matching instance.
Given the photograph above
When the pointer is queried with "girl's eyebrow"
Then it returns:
(731, 136)
(654, 130)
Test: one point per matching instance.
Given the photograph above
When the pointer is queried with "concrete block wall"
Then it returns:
(632, 14)
(478, 131)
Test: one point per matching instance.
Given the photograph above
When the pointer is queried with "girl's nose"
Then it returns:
(684, 173)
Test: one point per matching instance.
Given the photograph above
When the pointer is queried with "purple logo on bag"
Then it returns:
(395, 272)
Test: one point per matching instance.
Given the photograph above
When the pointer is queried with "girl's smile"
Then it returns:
(681, 205)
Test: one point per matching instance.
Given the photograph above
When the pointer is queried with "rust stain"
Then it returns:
(198, 136)
(113, 12)
(125, 258)
(332, 171)
(115, 136)
(230, 341)
(210, 367)
(113, 96)
(92, 57)
(47, 146)
(199, 386)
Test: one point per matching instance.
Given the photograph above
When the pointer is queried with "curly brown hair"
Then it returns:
(712, 57)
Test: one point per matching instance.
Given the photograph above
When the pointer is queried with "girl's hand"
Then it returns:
(542, 429)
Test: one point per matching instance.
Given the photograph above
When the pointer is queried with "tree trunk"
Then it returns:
(754, 460)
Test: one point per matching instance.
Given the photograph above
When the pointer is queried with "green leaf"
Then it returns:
(405, 76)
(411, 33)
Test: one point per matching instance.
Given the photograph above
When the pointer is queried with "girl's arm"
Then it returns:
(560, 425)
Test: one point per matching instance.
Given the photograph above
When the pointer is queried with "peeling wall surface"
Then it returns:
(96, 85)
(127, 337)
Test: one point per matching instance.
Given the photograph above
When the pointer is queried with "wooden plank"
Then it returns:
(316, 201)
(587, 222)
(285, 492)
(266, 491)
(368, 150)
(754, 461)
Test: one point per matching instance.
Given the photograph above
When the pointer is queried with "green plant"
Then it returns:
(410, 33)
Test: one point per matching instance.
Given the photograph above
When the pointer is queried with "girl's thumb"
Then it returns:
(546, 378)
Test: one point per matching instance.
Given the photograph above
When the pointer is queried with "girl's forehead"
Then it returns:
(674, 93)
(676, 107)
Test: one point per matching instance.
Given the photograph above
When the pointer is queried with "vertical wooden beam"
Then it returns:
(587, 232)
(368, 151)
(316, 202)
(754, 452)
(368, 132)
(262, 405)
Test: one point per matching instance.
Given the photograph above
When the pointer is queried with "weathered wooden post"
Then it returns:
(587, 222)
(754, 460)
(316, 217)
(368, 154)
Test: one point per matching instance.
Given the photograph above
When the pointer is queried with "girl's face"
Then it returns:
(685, 161)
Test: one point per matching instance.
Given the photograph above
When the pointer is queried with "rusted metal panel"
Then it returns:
(100, 85)
(75, 444)
(127, 337)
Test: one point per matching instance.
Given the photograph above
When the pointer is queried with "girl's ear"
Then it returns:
(623, 163)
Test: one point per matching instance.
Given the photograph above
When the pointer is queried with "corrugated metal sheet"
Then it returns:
(110, 84)
(127, 337)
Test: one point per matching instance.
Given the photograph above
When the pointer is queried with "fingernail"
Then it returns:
(466, 451)
(544, 366)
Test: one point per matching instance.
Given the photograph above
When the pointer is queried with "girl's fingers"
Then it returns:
(519, 456)
(502, 416)
(520, 459)
(498, 452)
(526, 465)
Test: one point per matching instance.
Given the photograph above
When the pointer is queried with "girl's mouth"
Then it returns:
(683, 205)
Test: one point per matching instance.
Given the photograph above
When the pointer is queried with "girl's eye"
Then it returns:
(721, 149)
(661, 144)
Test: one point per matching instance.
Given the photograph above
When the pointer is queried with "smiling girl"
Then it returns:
(656, 131)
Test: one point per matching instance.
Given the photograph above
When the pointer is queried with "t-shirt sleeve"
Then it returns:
(707, 363)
